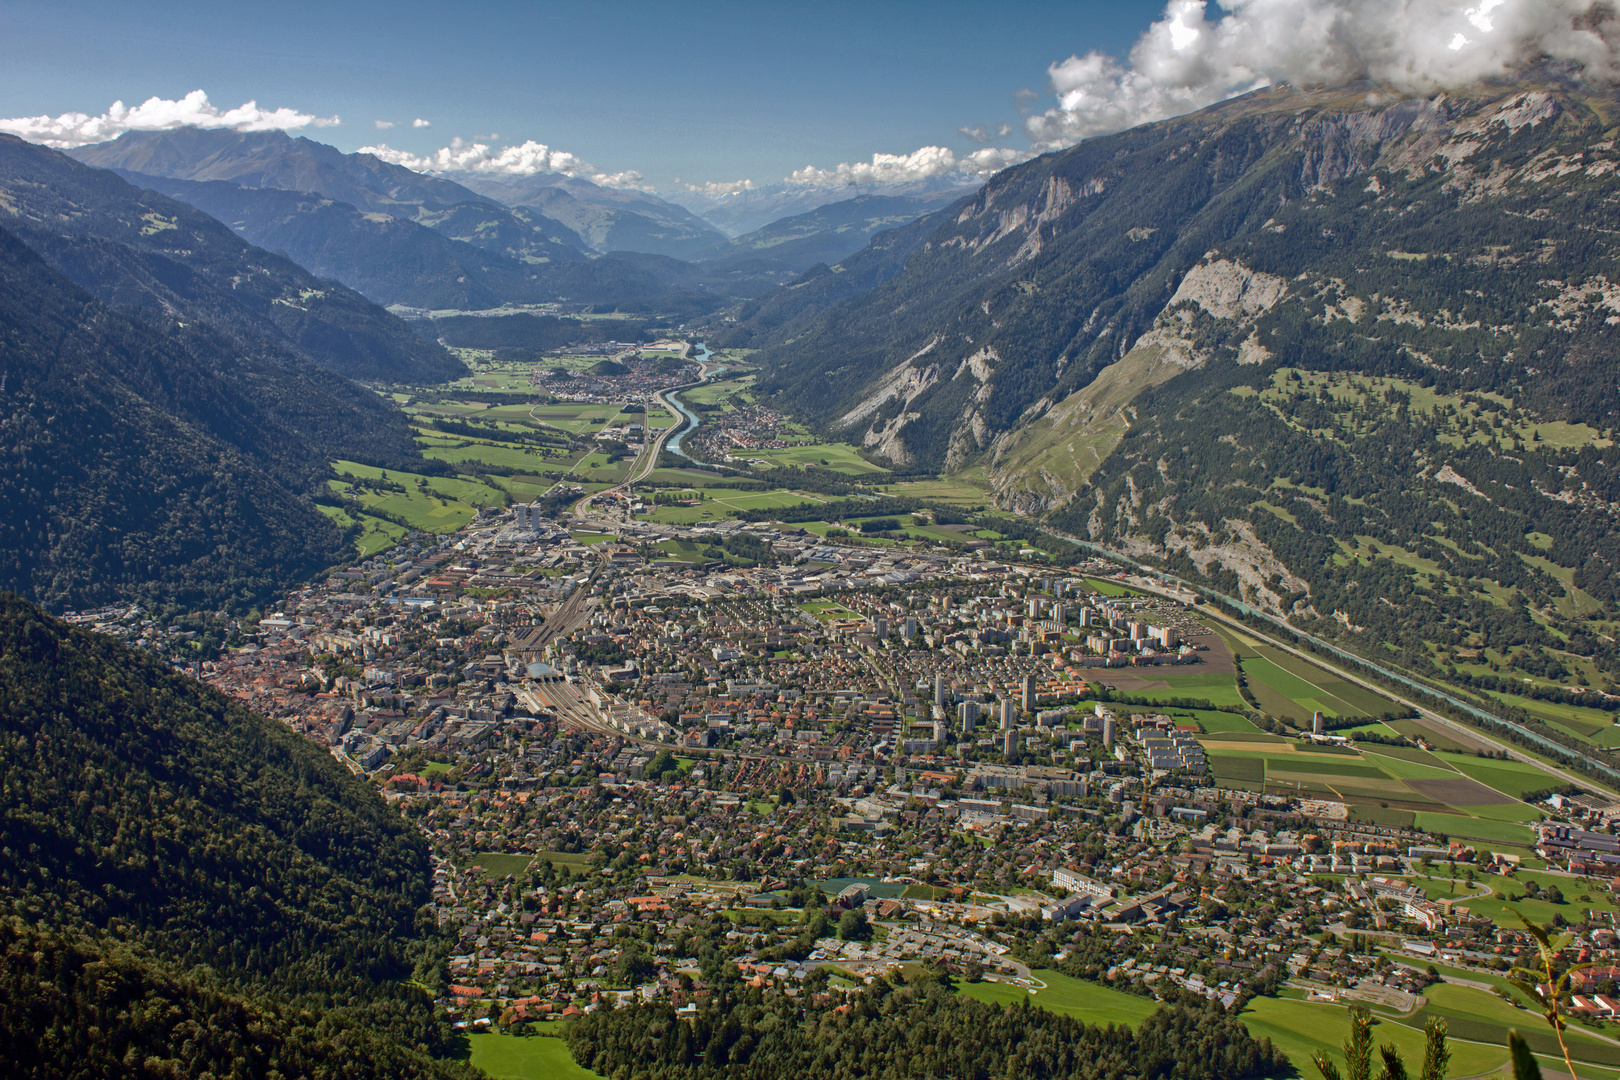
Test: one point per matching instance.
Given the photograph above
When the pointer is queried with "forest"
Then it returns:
(194, 878)
(887, 1030)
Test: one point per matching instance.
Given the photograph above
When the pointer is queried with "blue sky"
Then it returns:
(696, 91)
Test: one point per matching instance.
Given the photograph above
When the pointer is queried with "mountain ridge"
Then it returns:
(1199, 341)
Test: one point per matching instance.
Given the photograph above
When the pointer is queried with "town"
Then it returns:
(639, 773)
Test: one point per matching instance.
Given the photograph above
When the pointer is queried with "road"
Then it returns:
(647, 460)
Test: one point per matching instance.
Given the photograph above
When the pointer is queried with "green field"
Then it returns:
(1302, 1028)
(839, 457)
(538, 1057)
(721, 500)
(432, 503)
(376, 534)
(1087, 1001)
(497, 864)
(1386, 787)
(1217, 689)
(1474, 828)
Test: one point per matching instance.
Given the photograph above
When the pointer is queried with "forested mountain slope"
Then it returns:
(189, 883)
(391, 260)
(1348, 354)
(402, 237)
(136, 249)
(147, 458)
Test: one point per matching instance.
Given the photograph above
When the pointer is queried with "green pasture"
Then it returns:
(956, 491)
(496, 864)
(500, 455)
(839, 457)
(721, 500)
(376, 533)
(1474, 828)
(1088, 1001)
(536, 1057)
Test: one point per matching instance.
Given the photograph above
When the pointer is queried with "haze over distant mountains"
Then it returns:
(475, 240)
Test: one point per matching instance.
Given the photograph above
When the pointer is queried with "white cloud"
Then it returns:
(526, 160)
(630, 178)
(721, 187)
(421, 123)
(157, 114)
(921, 164)
(383, 125)
(1188, 59)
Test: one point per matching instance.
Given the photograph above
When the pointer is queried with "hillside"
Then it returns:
(390, 260)
(138, 250)
(835, 231)
(154, 460)
(200, 885)
(1347, 355)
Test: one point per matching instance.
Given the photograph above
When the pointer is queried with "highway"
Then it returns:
(1150, 581)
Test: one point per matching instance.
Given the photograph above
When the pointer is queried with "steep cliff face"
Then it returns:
(1061, 267)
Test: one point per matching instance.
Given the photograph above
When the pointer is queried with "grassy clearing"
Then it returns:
(376, 534)
(496, 864)
(540, 1057)
(432, 503)
(1087, 1001)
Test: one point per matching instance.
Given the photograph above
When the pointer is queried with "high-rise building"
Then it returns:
(1009, 714)
(939, 732)
(941, 696)
(1033, 610)
(908, 629)
(968, 713)
(1029, 693)
(1009, 744)
(880, 628)
(1108, 729)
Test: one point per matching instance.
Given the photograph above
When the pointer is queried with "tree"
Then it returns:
(1359, 1046)
(852, 926)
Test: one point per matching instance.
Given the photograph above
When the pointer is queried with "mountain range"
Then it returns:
(172, 396)
(473, 241)
(1347, 354)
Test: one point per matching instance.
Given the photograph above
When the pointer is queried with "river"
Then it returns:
(691, 421)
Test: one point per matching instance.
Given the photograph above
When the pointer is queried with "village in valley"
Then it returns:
(767, 707)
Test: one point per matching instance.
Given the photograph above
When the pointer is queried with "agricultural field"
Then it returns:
(501, 455)
(717, 501)
(1477, 1022)
(1458, 794)
(839, 457)
(431, 503)
(955, 491)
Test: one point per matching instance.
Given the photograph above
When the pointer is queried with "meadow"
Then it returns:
(534, 1057)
